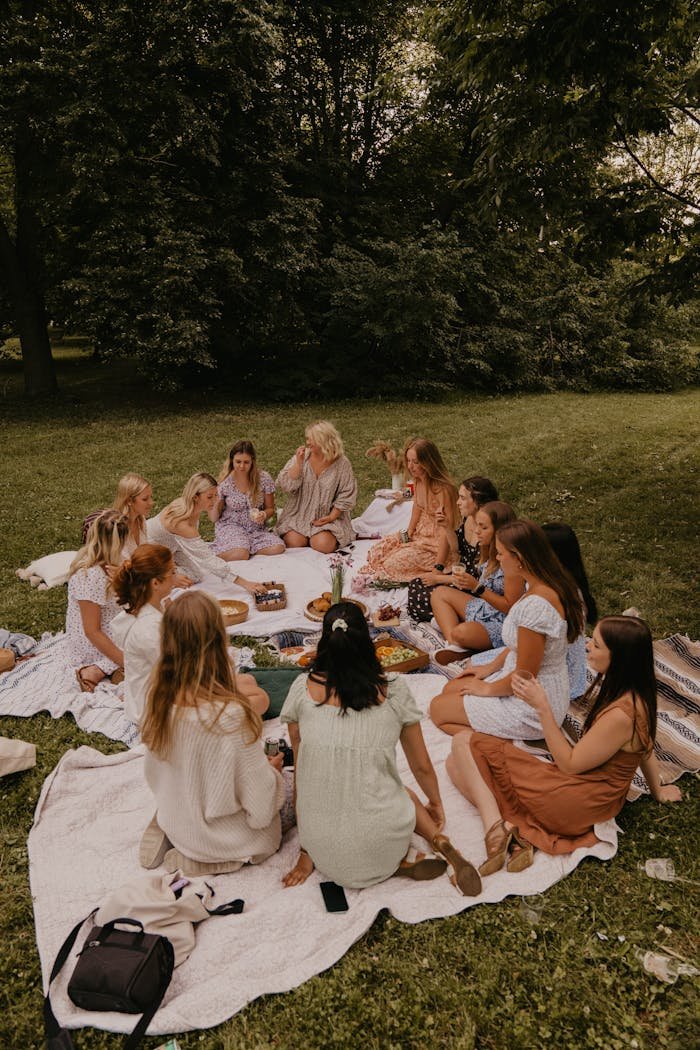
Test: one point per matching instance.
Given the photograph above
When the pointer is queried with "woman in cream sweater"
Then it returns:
(217, 796)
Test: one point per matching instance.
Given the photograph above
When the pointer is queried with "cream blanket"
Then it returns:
(84, 844)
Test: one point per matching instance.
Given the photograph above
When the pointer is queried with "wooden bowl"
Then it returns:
(233, 611)
(317, 617)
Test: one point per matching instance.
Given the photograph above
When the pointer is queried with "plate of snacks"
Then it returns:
(233, 611)
(387, 616)
(394, 655)
(307, 658)
(292, 650)
(318, 608)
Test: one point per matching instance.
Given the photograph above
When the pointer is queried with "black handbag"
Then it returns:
(124, 970)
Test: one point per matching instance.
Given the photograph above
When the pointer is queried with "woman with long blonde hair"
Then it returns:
(321, 491)
(134, 499)
(91, 604)
(245, 505)
(429, 542)
(177, 527)
(217, 796)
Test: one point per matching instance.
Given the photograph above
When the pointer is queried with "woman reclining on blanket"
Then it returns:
(177, 527)
(92, 607)
(355, 817)
(218, 798)
(525, 803)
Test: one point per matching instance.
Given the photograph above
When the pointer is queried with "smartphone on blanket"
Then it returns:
(334, 897)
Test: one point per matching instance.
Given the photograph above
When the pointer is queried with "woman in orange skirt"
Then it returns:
(526, 803)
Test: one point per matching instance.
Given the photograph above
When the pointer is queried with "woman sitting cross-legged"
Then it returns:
(429, 541)
(177, 527)
(354, 815)
(472, 494)
(141, 584)
(525, 803)
(246, 504)
(535, 632)
(217, 796)
(321, 491)
(471, 612)
(92, 607)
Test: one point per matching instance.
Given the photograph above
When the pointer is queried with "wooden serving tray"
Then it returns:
(272, 606)
(420, 660)
(317, 617)
(233, 611)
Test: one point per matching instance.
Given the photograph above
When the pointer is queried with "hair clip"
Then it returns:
(339, 625)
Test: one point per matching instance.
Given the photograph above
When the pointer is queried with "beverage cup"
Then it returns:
(661, 868)
(531, 908)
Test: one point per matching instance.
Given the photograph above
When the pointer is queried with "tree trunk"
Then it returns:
(39, 371)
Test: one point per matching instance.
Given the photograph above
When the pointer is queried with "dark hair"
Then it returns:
(567, 549)
(346, 663)
(482, 490)
(527, 540)
(631, 669)
(132, 580)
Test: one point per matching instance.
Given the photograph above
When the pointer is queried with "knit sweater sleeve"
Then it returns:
(258, 785)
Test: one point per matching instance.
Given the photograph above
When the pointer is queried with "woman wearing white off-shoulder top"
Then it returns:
(536, 632)
(177, 527)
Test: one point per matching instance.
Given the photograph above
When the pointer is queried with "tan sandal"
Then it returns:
(497, 840)
(86, 684)
(522, 854)
(464, 875)
(422, 868)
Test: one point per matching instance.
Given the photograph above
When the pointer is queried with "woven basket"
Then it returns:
(233, 611)
(272, 606)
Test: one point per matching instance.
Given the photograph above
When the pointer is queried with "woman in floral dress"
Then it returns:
(245, 506)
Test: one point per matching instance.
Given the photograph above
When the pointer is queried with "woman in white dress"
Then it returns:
(177, 527)
(91, 603)
(536, 632)
(141, 584)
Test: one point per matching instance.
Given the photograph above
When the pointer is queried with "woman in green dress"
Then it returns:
(354, 815)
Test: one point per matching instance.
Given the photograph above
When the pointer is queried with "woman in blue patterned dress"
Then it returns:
(471, 612)
(245, 506)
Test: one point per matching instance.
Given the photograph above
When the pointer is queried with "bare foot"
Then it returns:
(301, 870)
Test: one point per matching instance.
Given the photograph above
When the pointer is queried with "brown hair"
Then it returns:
(529, 542)
(631, 671)
(132, 581)
(499, 514)
(437, 475)
(193, 670)
(246, 448)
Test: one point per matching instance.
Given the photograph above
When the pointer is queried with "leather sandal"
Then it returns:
(451, 656)
(522, 853)
(497, 840)
(422, 868)
(87, 685)
(464, 875)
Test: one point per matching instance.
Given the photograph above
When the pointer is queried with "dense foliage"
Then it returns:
(322, 196)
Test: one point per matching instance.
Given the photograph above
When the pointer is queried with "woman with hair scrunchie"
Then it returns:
(355, 817)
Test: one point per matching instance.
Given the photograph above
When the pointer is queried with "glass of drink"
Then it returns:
(531, 908)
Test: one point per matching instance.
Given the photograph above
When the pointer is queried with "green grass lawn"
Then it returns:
(622, 469)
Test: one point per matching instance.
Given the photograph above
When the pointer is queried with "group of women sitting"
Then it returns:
(513, 594)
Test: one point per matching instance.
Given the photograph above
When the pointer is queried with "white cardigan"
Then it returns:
(217, 797)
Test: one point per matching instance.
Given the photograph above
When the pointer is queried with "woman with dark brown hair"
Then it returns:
(535, 631)
(430, 539)
(525, 803)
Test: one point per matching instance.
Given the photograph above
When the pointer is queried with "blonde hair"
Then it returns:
(105, 539)
(183, 507)
(193, 670)
(129, 487)
(246, 448)
(324, 434)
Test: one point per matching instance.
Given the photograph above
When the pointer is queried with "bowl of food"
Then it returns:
(318, 608)
(387, 616)
(233, 611)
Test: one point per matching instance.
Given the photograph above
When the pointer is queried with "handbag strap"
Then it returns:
(58, 1038)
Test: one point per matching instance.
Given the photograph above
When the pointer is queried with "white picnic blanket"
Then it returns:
(382, 517)
(84, 843)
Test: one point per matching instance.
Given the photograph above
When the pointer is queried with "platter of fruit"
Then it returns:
(394, 655)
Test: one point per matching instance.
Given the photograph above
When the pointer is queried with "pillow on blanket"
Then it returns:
(54, 569)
